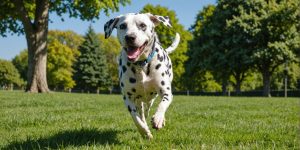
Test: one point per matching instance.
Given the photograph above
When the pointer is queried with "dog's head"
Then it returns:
(135, 32)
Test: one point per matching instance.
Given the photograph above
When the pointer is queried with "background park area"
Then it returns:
(236, 75)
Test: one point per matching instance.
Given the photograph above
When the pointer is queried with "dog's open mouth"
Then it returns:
(134, 52)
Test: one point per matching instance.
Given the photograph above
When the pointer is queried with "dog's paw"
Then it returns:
(158, 121)
(149, 136)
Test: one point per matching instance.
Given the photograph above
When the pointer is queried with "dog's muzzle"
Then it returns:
(133, 52)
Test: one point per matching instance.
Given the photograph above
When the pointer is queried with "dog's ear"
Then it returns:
(109, 26)
(156, 19)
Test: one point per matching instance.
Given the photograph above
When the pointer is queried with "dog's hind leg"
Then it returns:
(138, 119)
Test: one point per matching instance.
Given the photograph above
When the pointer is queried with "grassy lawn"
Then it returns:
(88, 121)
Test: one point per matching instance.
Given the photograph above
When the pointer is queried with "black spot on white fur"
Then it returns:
(129, 108)
(160, 58)
(148, 69)
(133, 90)
(157, 66)
(133, 70)
(132, 80)
(162, 83)
(124, 69)
(120, 62)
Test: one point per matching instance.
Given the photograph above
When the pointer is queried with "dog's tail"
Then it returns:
(174, 45)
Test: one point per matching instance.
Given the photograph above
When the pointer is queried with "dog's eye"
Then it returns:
(142, 25)
(123, 26)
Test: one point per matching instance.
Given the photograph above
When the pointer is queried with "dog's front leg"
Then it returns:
(158, 119)
(138, 119)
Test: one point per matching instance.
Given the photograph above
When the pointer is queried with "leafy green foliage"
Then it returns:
(166, 36)
(59, 66)
(216, 42)
(271, 27)
(111, 47)
(197, 76)
(293, 76)
(83, 9)
(91, 70)
(20, 62)
(62, 54)
(32, 18)
(89, 121)
(201, 81)
(240, 35)
(68, 38)
(9, 74)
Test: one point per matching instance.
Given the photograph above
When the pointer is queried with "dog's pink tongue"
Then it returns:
(133, 53)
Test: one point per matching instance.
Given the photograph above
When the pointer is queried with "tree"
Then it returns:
(241, 34)
(59, 66)
(201, 81)
(198, 76)
(111, 47)
(91, 71)
(9, 74)
(221, 47)
(293, 75)
(272, 26)
(62, 53)
(32, 16)
(20, 62)
(206, 52)
(68, 38)
(166, 36)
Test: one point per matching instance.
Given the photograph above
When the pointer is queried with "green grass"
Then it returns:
(88, 121)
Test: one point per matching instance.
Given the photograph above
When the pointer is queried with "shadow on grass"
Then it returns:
(69, 138)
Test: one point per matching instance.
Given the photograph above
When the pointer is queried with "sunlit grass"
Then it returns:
(82, 121)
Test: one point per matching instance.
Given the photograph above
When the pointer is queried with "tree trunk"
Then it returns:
(238, 86)
(224, 86)
(36, 36)
(266, 82)
(37, 61)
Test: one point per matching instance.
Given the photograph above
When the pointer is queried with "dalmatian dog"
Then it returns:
(145, 69)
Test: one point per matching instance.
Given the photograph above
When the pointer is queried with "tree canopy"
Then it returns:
(91, 69)
(240, 35)
(11, 19)
(20, 61)
(9, 75)
(111, 47)
(32, 18)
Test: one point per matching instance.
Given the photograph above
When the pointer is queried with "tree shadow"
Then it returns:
(69, 138)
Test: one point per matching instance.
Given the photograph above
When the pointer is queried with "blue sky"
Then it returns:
(186, 11)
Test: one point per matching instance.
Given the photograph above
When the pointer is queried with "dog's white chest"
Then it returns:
(136, 83)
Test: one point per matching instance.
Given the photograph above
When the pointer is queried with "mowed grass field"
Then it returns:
(90, 121)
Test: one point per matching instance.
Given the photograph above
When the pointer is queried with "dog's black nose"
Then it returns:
(130, 38)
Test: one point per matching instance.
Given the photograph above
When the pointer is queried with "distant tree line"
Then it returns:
(246, 44)
(82, 62)
(31, 17)
(235, 45)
